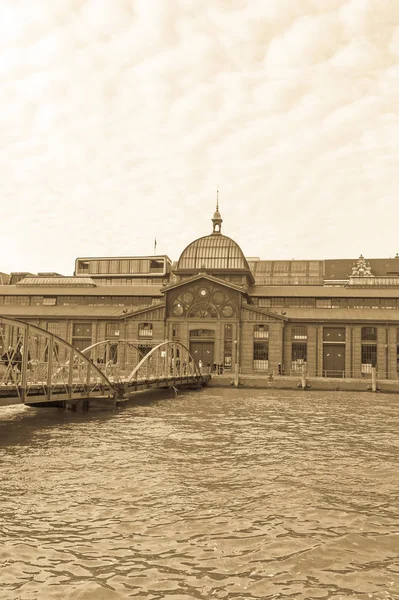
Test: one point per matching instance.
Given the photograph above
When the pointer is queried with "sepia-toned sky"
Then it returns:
(120, 118)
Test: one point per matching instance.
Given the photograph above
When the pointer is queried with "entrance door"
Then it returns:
(334, 360)
(203, 351)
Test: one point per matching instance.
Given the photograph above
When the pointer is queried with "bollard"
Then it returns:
(303, 377)
(236, 376)
(373, 379)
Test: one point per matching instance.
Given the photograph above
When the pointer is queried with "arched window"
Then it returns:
(202, 310)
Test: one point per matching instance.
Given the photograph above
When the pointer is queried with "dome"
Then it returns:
(212, 253)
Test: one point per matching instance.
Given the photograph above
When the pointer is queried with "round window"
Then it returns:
(218, 298)
(188, 297)
(177, 310)
(227, 311)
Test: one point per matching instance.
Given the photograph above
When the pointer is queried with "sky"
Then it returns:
(120, 119)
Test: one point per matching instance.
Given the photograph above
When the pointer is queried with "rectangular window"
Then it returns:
(261, 356)
(83, 267)
(323, 303)
(156, 266)
(112, 330)
(299, 302)
(175, 330)
(54, 327)
(261, 331)
(299, 355)
(103, 266)
(315, 268)
(369, 334)
(265, 302)
(145, 330)
(24, 300)
(388, 302)
(298, 266)
(49, 301)
(277, 302)
(299, 332)
(355, 303)
(369, 357)
(281, 267)
(339, 302)
(228, 347)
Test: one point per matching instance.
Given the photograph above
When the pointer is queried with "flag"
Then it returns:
(155, 245)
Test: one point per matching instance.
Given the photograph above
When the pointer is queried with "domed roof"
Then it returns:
(212, 252)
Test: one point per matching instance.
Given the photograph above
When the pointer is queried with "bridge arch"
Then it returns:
(37, 365)
(166, 359)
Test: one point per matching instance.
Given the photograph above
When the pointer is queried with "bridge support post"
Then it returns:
(77, 405)
(86, 404)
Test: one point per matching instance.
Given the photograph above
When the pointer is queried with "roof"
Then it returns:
(52, 312)
(98, 290)
(342, 268)
(57, 281)
(343, 314)
(212, 252)
(319, 291)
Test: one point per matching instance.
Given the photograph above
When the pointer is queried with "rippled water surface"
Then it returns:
(215, 494)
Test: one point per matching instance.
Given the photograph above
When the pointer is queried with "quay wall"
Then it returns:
(313, 383)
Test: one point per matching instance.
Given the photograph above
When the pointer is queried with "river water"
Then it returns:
(213, 494)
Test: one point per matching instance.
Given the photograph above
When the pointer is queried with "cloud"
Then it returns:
(119, 120)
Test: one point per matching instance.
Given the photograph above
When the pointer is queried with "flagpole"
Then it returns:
(155, 246)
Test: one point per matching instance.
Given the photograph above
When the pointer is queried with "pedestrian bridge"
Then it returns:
(40, 368)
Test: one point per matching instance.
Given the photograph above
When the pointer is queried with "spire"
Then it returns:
(217, 218)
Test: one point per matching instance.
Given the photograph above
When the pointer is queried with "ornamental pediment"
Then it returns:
(203, 298)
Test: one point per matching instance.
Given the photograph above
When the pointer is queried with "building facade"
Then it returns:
(335, 317)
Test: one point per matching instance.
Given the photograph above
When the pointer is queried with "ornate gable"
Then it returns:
(361, 268)
(203, 298)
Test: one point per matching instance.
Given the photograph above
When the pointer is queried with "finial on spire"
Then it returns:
(217, 218)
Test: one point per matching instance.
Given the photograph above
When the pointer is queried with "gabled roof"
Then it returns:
(211, 278)
(264, 311)
(142, 310)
